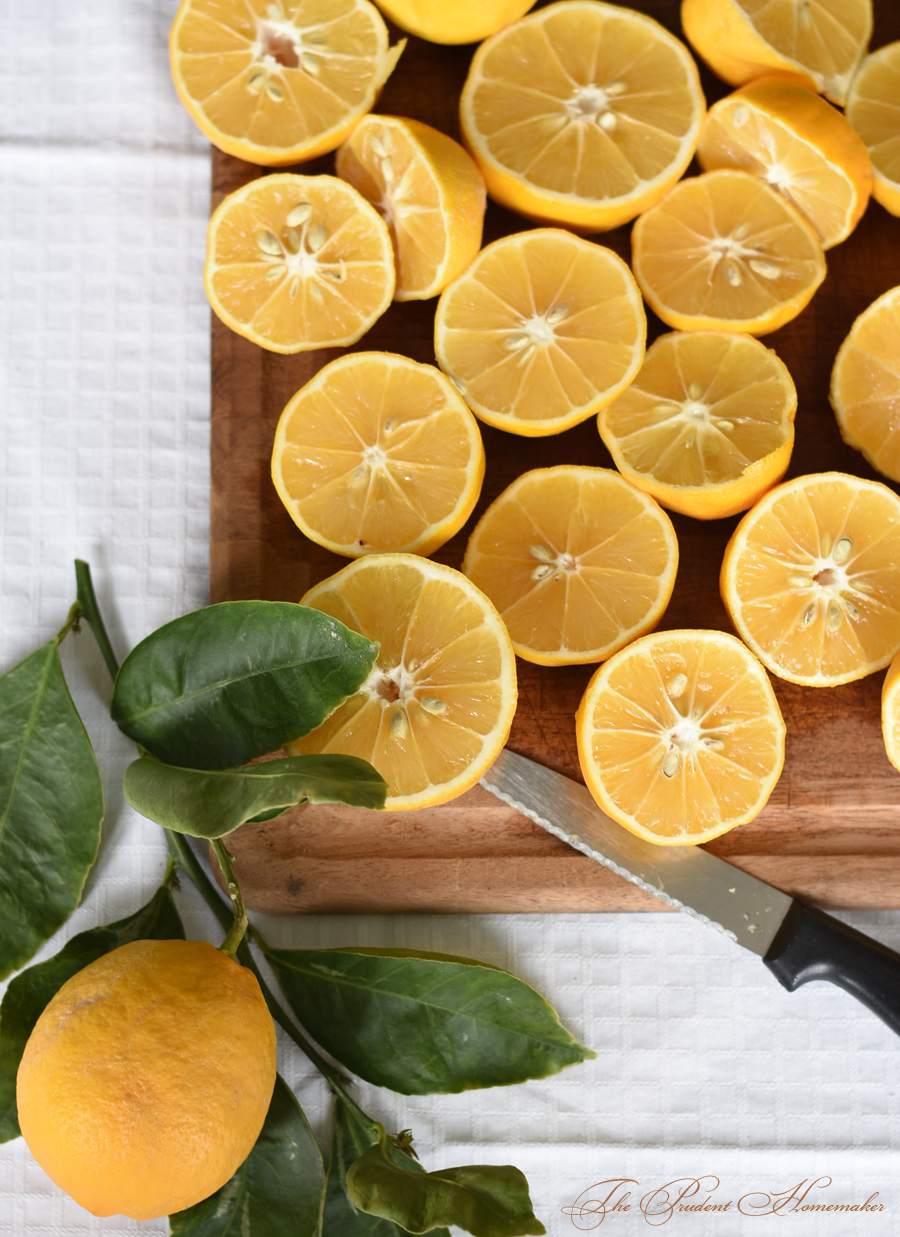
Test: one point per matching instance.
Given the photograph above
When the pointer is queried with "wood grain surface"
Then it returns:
(831, 830)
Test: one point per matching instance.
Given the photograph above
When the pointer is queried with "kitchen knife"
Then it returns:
(796, 942)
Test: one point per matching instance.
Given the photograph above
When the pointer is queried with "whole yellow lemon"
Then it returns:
(146, 1080)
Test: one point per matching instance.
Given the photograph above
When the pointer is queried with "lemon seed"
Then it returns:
(676, 686)
(299, 214)
(542, 553)
(513, 343)
(431, 704)
(269, 243)
(733, 275)
(670, 764)
(399, 724)
(842, 550)
(316, 237)
(766, 270)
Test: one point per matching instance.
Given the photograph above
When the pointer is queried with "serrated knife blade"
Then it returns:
(796, 942)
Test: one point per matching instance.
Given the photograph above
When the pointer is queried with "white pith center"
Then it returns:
(829, 588)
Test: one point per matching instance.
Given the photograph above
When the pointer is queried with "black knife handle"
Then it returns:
(811, 945)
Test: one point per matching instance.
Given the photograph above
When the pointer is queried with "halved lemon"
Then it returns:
(873, 110)
(428, 191)
(377, 453)
(708, 424)
(890, 712)
(582, 113)
(541, 331)
(577, 561)
(279, 83)
(438, 705)
(680, 737)
(453, 21)
(798, 144)
(811, 578)
(822, 40)
(298, 262)
(725, 252)
(865, 385)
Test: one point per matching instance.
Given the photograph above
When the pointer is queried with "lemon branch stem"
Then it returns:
(90, 611)
(190, 865)
(232, 886)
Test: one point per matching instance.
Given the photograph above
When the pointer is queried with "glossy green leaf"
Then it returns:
(277, 1191)
(211, 804)
(340, 1218)
(51, 805)
(422, 1022)
(29, 993)
(487, 1200)
(237, 680)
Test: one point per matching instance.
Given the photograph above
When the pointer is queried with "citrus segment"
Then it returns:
(541, 331)
(298, 262)
(811, 578)
(378, 453)
(582, 113)
(439, 702)
(680, 737)
(428, 191)
(708, 424)
(279, 83)
(725, 252)
(798, 144)
(147, 1078)
(873, 110)
(576, 560)
(823, 40)
(865, 385)
(463, 21)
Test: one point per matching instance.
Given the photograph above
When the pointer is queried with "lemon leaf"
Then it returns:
(29, 993)
(487, 1200)
(209, 804)
(276, 1192)
(340, 1218)
(223, 685)
(51, 805)
(422, 1023)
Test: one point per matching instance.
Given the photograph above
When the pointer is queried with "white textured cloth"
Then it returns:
(705, 1067)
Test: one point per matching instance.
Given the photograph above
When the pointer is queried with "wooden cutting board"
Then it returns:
(831, 830)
